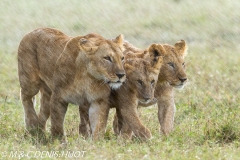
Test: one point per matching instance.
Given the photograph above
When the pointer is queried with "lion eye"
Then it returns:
(140, 82)
(122, 58)
(171, 64)
(108, 58)
(183, 64)
(153, 81)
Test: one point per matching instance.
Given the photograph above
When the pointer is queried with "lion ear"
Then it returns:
(129, 65)
(119, 40)
(83, 40)
(87, 46)
(156, 53)
(181, 48)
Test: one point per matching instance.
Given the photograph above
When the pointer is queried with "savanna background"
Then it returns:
(208, 108)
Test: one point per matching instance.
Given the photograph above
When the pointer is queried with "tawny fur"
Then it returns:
(172, 75)
(78, 70)
(142, 75)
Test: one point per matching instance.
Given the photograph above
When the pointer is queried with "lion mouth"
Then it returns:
(180, 86)
(144, 101)
(115, 85)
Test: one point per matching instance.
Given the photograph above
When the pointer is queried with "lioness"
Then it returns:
(142, 75)
(172, 75)
(79, 70)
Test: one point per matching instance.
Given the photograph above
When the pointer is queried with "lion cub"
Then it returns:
(172, 75)
(79, 70)
(142, 76)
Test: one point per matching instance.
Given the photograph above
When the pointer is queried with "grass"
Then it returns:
(207, 118)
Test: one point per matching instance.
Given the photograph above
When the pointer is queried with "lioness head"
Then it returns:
(104, 58)
(173, 68)
(142, 73)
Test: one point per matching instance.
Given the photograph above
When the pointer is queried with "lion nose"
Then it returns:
(120, 75)
(182, 79)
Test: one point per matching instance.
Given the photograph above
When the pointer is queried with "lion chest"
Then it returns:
(85, 91)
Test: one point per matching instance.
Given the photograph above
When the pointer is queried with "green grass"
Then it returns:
(208, 108)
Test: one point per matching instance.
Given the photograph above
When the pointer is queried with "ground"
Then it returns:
(208, 108)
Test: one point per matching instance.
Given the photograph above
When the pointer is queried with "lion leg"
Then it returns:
(98, 114)
(120, 126)
(115, 125)
(166, 112)
(117, 122)
(84, 126)
(30, 85)
(31, 118)
(44, 112)
(130, 116)
(57, 113)
(30, 82)
(125, 131)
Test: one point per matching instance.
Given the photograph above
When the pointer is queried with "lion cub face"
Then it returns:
(143, 73)
(105, 59)
(173, 68)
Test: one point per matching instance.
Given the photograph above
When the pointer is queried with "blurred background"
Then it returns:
(210, 28)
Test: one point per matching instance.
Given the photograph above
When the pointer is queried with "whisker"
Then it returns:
(101, 84)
